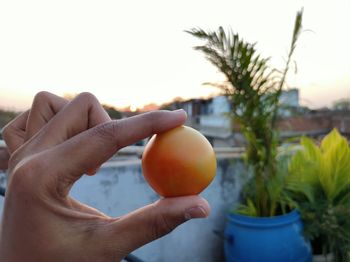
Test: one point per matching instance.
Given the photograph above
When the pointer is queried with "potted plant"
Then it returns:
(319, 186)
(262, 228)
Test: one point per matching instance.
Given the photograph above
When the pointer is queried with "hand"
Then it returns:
(4, 158)
(51, 146)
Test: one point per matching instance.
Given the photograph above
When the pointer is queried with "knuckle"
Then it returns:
(42, 101)
(107, 130)
(42, 96)
(161, 226)
(153, 118)
(87, 97)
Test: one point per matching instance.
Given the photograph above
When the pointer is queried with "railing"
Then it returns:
(219, 151)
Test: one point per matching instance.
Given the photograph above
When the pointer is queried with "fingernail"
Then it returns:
(179, 111)
(195, 212)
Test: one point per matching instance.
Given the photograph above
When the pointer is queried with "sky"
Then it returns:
(131, 53)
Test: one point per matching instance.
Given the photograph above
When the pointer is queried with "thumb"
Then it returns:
(156, 220)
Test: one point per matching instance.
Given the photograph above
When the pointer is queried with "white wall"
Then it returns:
(290, 98)
(221, 121)
(218, 114)
(221, 105)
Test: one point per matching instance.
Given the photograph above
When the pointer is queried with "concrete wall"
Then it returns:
(219, 121)
(221, 105)
(118, 189)
(290, 97)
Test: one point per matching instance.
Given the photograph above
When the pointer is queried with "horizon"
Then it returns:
(129, 56)
(156, 106)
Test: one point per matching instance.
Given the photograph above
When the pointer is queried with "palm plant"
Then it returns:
(254, 90)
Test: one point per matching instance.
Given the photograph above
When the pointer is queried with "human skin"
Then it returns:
(4, 158)
(51, 146)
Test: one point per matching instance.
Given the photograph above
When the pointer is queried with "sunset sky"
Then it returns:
(136, 52)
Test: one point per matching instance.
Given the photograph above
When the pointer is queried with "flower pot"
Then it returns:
(272, 239)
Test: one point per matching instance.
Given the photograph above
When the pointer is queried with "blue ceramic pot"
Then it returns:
(273, 239)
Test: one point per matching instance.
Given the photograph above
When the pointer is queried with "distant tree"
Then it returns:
(6, 116)
(342, 104)
(112, 112)
(173, 105)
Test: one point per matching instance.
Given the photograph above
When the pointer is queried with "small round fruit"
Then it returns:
(179, 162)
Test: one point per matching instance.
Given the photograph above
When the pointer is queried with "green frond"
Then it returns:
(253, 88)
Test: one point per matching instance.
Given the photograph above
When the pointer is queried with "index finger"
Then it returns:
(95, 146)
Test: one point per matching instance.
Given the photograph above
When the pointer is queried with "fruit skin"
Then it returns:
(179, 162)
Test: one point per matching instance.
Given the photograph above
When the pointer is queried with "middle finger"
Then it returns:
(45, 106)
(78, 115)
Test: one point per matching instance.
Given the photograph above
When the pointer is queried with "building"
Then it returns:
(289, 101)
(213, 116)
(316, 124)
